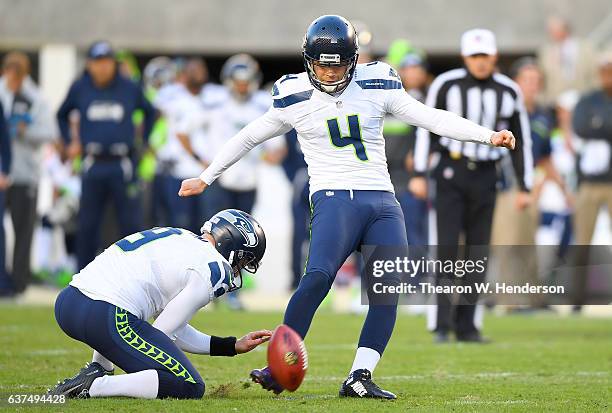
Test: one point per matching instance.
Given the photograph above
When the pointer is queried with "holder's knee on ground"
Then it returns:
(177, 387)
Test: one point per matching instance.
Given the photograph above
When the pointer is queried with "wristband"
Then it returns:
(222, 346)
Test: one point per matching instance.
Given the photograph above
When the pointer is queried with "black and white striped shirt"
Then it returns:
(495, 103)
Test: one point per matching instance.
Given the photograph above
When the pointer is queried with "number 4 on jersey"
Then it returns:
(354, 137)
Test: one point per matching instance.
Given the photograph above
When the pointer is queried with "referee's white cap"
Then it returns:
(478, 41)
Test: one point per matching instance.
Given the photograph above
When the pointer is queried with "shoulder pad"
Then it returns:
(291, 89)
(377, 75)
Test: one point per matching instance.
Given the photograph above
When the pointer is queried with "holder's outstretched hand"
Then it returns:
(252, 340)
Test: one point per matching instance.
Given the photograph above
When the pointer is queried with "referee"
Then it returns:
(466, 174)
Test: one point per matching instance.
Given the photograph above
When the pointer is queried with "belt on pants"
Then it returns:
(469, 163)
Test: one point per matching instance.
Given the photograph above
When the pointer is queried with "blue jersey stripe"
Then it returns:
(227, 272)
(292, 99)
(215, 272)
(379, 84)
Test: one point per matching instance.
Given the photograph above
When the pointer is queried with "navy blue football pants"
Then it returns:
(103, 181)
(170, 210)
(300, 207)
(341, 222)
(220, 198)
(128, 342)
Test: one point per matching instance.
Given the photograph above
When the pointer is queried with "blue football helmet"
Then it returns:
(239, 239)
(241, 67)
(159, 72)
(330, 41)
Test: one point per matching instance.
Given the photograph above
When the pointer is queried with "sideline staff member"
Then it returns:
(105, 101)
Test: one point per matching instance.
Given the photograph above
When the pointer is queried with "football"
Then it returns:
(287, 357)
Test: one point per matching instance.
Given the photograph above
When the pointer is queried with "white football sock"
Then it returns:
(143, 384)
(365, 358)
(104, 362)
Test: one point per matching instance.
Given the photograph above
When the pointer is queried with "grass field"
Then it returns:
(536, 363)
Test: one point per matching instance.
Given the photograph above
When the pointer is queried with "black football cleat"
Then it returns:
(441, 337)
(359, 384)
(473, 337)
(264, 378)
(77, 386)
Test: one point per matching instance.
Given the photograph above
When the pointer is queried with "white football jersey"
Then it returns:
(173, 101)
(164, 102)
(341, 135)
(144, 271)
(166, 95)
(176, 102)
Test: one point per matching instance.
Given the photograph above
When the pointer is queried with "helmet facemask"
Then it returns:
(241, 260)
(241, 68)
(330, 60)
(242, 76)
(239, 238)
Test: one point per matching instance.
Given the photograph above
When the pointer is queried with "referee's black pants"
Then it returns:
(465, 201)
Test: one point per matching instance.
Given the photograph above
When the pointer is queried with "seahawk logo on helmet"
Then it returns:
(330, 41)
(242, 224)
(239, 239)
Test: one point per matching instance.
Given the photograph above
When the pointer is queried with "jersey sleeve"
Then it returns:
(191, 340)
(443, 123)
(5, 144)
(267, 126)
(183, 307)
(422, 146)
(63, 114)
(275, 144)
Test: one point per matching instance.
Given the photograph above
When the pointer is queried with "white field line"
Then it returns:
(489, 402)
(52, 352)
(309, 397)
(483, 375)
(19, 386)
(42, 353)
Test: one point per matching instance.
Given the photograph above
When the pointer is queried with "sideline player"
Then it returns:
(224, 118)
(168, 274)
(337, 108)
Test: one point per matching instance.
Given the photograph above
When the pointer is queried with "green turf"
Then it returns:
(537, 363)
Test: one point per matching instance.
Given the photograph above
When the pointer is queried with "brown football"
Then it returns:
(287, 357)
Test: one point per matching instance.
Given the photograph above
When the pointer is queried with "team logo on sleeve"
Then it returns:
(393, 73)
(244, 226)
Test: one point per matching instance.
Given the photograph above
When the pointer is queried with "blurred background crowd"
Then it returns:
(99, 152)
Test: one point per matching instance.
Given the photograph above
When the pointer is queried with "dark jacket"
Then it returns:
(5, 145)
(592, 121)
(105, 113)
